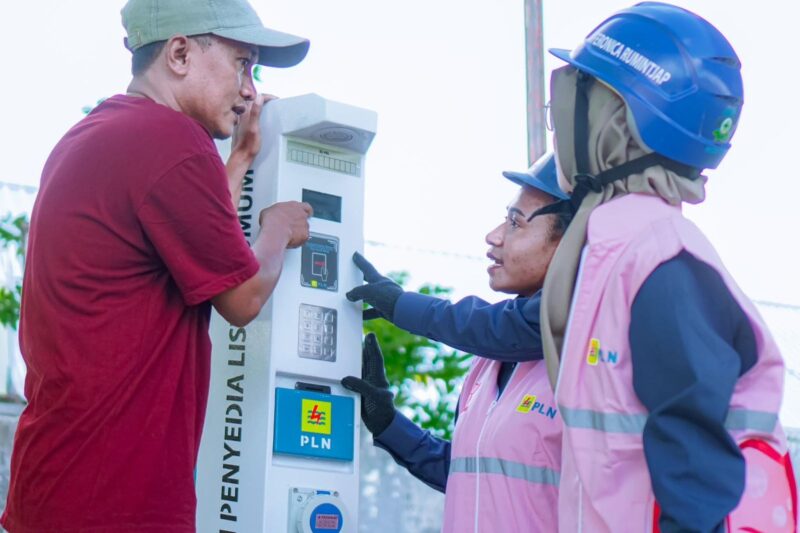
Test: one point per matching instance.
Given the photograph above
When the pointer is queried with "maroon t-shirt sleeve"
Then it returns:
(189, 217)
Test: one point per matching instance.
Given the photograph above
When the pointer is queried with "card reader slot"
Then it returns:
(312, 387)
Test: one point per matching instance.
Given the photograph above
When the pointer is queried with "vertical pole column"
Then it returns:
(534, 67)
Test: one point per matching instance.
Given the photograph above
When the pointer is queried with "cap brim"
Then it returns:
(517, 177)
(523, 178)
(562, 54)
(275, 48)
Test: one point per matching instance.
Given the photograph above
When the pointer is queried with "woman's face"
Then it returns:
(520, 250)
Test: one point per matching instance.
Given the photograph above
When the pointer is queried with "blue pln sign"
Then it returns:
(312, 424)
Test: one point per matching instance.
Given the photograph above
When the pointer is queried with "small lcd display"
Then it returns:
(326, 206)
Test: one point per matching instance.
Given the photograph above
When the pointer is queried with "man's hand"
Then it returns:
(246, 141)
(380, 292)
(245, 145)
(377, 406)
(285, 225)
(291, 217)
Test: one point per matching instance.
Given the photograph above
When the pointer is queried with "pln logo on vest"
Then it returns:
(597, 355)
(529, 403)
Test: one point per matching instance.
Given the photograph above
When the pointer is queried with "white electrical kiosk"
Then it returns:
(279, 448)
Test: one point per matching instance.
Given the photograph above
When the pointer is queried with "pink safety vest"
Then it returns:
(605, 483)
(505, 455)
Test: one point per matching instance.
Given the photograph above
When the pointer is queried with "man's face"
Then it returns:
(521, 250)
(219, 84)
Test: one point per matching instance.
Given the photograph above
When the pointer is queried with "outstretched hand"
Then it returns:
(380, 292)
(377, 405)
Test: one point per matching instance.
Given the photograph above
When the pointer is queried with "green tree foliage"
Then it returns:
(13, 231)
(425, 375)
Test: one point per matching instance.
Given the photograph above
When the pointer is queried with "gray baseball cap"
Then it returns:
(149, 21)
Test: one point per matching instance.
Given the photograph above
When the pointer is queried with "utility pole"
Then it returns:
(534, 67)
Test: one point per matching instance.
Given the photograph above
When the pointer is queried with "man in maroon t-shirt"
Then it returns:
(134, 236)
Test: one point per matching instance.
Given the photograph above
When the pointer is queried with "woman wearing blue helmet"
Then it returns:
(501, 470)
(668, 381)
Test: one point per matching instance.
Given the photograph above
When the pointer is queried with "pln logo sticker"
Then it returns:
(530, 404)
(526, 404)
(316, 417)
(595, 354)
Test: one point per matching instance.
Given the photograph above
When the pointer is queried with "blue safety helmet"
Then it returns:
(678, 75)
(542, 175)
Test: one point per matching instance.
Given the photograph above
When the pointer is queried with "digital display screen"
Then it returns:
(326, 206)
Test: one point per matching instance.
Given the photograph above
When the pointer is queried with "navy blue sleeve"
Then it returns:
(426, 457)
(505, 331)
(690, 342)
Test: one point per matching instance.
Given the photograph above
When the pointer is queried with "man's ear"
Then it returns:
(176, 54)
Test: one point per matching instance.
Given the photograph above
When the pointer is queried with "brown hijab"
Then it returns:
(613, 140)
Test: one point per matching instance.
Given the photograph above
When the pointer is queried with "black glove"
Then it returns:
(380, 292)
(377, 407)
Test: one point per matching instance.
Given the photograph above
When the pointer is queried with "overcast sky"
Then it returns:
(447, 80)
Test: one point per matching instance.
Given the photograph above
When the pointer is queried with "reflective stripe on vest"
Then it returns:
(737, 420)
(491, 465)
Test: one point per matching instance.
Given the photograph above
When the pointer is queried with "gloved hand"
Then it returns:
(380, 292)
(377, 406)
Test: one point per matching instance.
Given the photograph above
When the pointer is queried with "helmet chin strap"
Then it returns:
(586, 182)
(583, 84)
